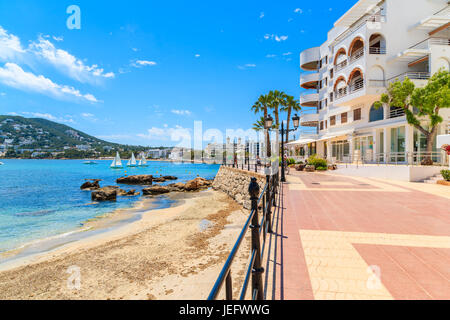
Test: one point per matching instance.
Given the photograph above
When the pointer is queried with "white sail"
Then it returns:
(132, 161)
(142, 161)
(117, 163)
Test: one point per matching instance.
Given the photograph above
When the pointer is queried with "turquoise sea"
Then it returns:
(42, 198)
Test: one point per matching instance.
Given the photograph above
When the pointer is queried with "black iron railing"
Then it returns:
(259, 229)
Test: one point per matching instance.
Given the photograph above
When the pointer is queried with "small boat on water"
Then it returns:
(132, 162)
(90, 162)
(1, 163)
(143, 161)
(117, 163)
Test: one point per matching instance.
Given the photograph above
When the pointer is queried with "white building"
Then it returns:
(157, 154)
(371, 45)
(236, 147)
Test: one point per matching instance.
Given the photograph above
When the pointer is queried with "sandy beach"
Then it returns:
(173, 253)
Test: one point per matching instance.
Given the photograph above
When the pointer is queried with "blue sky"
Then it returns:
(137, 70)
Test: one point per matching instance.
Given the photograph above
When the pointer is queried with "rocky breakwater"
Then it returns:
(144, 179)
(197, 184)
(107, 193)
(235, 182)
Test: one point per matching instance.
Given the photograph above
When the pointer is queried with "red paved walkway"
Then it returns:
(336, 229)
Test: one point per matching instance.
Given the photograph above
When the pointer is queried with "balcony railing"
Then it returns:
(395, 113)
(353, 58)
(350, 89)
(425, 44)
(356, 56)
(411, 76)
(376, 50)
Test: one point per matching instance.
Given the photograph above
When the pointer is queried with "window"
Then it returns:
(326, 124)
(326, 81)
(321, 125)
(376, 114)
(357, 114)
(344, 117)
(326, 102)
(331, 97)
(332, 120)
(331, 74)
(320, 105)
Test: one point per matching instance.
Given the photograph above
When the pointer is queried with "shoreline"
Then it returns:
(171, 253)
(103, 223)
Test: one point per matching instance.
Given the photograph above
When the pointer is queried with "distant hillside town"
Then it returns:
(43, 139)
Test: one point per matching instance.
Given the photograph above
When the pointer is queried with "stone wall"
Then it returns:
(235, 182)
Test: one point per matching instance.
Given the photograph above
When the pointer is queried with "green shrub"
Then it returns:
(317, 162)
(446, 174)
(321, 168)
(291, 161)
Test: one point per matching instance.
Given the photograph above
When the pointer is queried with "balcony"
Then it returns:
(309, 59)
(349, 90)
(309, 80)
(439, 20)
(309, 119)
(411, 76)
(357, 55)
(421, 49)
(309, 100)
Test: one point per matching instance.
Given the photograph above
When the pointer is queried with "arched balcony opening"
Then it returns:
(356, 50)
(340, 59)
(355, 80)
(340, 87)
(377, 44)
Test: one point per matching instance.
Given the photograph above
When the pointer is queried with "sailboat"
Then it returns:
(117, 163)
(132, 161)
(143, 161)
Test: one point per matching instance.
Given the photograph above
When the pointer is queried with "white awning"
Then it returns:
(333, 135)
(301, 142)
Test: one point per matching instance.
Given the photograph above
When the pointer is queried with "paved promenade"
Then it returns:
(355, 238)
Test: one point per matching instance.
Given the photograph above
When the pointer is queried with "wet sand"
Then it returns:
(172, 253)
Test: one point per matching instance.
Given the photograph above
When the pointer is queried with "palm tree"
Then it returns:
(276, 98)
(290, 105)
(262, 104)
(259, 124)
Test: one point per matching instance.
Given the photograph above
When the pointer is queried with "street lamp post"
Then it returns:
(296, 121)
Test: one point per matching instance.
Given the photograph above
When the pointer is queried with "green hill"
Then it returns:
(21, 137)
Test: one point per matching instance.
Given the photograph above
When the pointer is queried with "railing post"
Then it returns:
(229, 287)
(269, 204)
(256, 245)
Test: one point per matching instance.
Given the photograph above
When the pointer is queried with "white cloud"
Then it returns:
(58, 39)
(281, 38)
(261, 15)
(14, 76)
(182, 112)
(275, 37)
(271, 56)
(143, 63)
(48, 116)
(174, 134)
(135, 49)
(10, 46)
(290, 20)
(247, 66)
(287, 53)
(67, 63)
(298, 10)
(2, 94)
(197, 55)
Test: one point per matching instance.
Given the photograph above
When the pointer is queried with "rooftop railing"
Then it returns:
(359, 24)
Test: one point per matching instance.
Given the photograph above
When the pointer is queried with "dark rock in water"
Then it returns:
(105, 194)
(88, 185)
(176, 187)
(160, 179)
(130, 193)
(144, 179)
(197, 184)
(170, 178)
(155, 190)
